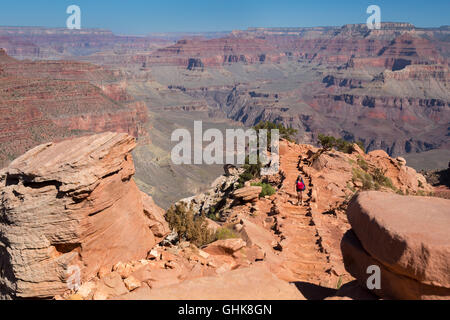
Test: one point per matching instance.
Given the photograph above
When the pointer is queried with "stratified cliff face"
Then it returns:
(49, 43)
(388, 87)
(348, 81)
(394, 46)
(48, 100)
(215, 52)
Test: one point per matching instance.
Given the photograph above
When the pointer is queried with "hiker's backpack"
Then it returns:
(301, 186)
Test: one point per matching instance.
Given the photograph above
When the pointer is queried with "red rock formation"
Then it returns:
(195, 54)
(439, 73)
(407, 237)
(91, 214)
(409, 49)
(257, 283)
(155, 214)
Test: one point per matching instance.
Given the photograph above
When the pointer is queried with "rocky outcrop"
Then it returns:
(228, 246)
(256, 283)
(71, 206)
(440, 73)
(218, 199)
(303, 243)
(155, 214)
(248, 194)
(407, 237)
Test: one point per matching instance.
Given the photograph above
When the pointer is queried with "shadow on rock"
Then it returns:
(314, 292)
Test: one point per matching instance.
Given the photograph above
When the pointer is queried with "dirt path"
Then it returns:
(301, 253)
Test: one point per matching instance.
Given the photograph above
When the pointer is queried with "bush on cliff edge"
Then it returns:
(330, 142)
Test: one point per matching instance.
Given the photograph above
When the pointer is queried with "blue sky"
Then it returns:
(145, 16)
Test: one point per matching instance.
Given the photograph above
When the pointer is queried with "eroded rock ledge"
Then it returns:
(67, 204)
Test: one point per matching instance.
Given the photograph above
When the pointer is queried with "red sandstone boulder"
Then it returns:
(110, 285)
(69, 205)
(408, 237)
(248, 194)
(228, 246)
(155, 214)
(408, 234)
(393, 285)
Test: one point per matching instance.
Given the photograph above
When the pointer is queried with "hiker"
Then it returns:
(300, 187)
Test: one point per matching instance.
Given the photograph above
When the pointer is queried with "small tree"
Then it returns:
(189, 226)
(253, 171)
(330, 142)
(327, 142)
(285, 133)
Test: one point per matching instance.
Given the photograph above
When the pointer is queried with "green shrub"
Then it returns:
(285, 133)
(344, 146)
(421, 193)
(189, 226)
(363, 164)
(368, 184)
(361, 145)
(267, 189)
(330, 142)
(212, 214)
(213, 217)
(365, 178)
(339, 283)
(379, 176)
(252, 171)
(243, 178)
(351, 188)
(327, 142)
(374, 180)
(226, 233)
